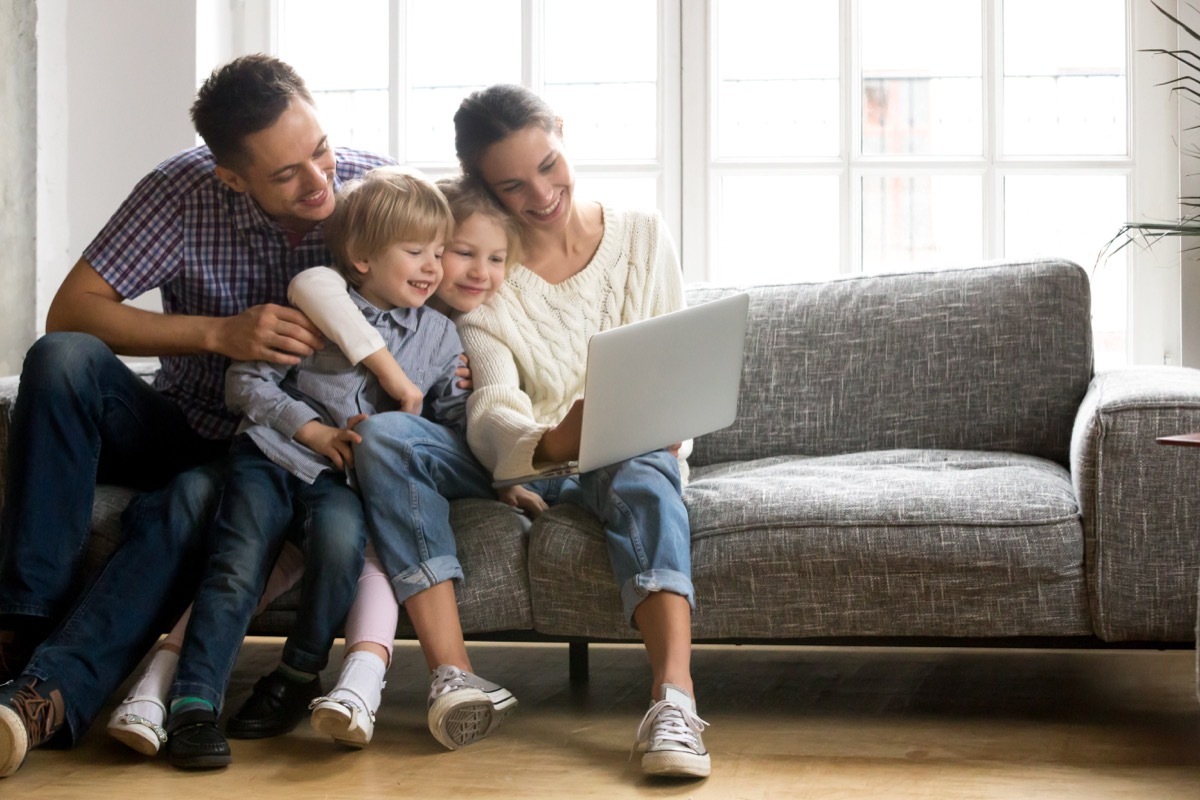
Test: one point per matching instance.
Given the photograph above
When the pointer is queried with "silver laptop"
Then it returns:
(654, 383)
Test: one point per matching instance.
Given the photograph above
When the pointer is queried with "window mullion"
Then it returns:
(397, 80)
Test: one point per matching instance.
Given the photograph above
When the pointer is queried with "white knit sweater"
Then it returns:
(528, 345)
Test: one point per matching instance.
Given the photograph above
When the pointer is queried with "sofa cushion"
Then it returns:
(890, 543)
(991, 358)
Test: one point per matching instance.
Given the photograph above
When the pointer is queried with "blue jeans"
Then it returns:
(137, 595)
(81, 416)
(640, 504)
(409, 469)
(256, 512)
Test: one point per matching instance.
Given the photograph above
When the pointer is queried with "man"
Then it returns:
(220, 230)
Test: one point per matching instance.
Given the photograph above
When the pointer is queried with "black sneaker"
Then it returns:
(195, 742)
(31, 714)
(276, 707)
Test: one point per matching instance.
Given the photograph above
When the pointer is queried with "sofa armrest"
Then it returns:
(1139, 502)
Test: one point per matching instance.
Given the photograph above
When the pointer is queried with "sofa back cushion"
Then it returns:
(987, 358)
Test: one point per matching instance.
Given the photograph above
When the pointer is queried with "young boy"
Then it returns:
(295, 447)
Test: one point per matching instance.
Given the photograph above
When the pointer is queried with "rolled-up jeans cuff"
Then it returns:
(425, 575)
(642, 585)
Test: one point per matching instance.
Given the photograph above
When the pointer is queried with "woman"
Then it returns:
(586, 268)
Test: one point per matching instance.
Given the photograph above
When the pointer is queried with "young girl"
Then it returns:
(474, 261)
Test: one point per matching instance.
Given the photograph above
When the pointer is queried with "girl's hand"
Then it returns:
(464, 373)
(520, 497)
(561, 443)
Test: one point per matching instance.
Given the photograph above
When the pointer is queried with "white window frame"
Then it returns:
(685, 168)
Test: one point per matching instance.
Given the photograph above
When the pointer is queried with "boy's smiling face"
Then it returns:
(404, 275)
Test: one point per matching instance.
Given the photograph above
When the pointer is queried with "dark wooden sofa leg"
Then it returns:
(577, 653)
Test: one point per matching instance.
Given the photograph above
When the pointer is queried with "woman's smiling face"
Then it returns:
(529, 173)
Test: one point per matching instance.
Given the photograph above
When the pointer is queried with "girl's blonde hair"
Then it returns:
(384, 206)
(466, 197)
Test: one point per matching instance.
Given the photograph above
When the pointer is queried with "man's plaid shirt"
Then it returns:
(212, 252)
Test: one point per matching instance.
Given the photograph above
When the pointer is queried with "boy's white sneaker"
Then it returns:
(464, 708)
(670, 732)
(346, 718)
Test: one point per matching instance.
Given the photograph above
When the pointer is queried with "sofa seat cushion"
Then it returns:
(491, 538)
(888, 543)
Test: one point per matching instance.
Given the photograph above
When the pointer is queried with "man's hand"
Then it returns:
(268, 332)
(336, 444)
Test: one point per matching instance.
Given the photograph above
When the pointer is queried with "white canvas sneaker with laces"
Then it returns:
(670, 732)
(464, 708)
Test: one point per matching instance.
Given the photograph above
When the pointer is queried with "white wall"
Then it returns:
(18, 132)
(115, 81)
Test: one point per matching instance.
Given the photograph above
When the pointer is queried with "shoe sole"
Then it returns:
(201, 762)
(673, 764)
(136, 737)
(14, 741)
(334, 721)
(462, 717)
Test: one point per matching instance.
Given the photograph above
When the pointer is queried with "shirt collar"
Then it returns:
(402, 317)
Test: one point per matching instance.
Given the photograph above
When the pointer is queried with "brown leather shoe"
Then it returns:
(28, 718)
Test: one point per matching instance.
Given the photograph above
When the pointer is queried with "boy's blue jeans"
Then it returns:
(261, 503)
(409, 468)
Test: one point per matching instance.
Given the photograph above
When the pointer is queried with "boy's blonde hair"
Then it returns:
(466, 197)
(384, 206)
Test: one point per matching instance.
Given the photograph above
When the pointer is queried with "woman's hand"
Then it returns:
(561, 443)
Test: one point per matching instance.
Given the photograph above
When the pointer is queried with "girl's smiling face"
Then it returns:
(473, 263)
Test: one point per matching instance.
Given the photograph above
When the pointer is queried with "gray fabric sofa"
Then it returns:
(923, 457)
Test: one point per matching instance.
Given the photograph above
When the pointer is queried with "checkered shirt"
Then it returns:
(212, 252)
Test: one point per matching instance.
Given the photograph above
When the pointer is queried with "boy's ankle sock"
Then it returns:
(187, 703)
(294, 675)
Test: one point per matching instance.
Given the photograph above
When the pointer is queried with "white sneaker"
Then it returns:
(671, 732)
(138, 723)
(464, 708)
(346, 718)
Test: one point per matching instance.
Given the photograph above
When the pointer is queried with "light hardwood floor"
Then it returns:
(786, 723)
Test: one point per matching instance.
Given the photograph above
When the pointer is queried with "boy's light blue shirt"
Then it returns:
(276, 399)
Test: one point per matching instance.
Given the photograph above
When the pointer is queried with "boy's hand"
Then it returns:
(520, 497)
(336, 444)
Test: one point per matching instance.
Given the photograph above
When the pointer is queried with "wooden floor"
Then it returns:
(786, 723)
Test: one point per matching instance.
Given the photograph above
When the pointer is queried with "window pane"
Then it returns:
(757, 220)
(620, 191)
(344, 60)
(922, 83)
(601, 76)
(1064, 94)
(921, 221)
(447, 60)
(778, 68)
(1073, 216)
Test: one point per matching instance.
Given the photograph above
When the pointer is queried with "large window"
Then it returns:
(782, 140)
